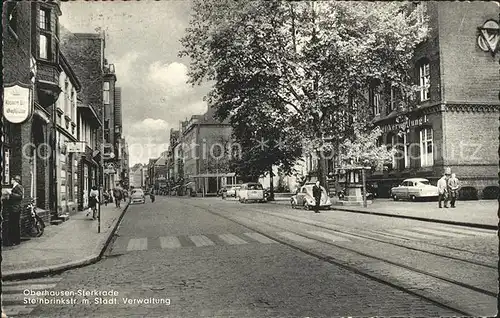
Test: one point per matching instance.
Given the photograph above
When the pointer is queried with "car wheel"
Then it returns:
(394, 197)
(307, 206)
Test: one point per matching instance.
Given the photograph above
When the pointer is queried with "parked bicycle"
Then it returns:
(37, 226)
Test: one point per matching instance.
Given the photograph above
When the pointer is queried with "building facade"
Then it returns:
(25, 146)
(88, 68)
(454, 122)
(207, 145)
(66, 132)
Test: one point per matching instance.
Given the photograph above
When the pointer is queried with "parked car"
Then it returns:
(232, 191)
(413, 189)
(251, 191)
(137, 196)
(305, 199)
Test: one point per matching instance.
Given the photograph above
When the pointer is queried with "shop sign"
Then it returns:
(77, 146)
(17, 107)
(109, 171)
(6, 173)
(403, 123)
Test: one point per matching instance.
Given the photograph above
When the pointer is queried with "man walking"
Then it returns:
(453, 189)
(15, 198)
(317, 196)
(118, 194)
(443, 191)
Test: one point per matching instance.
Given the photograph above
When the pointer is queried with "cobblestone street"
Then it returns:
(207, 265)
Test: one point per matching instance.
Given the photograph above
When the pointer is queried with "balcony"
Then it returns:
(47, 83)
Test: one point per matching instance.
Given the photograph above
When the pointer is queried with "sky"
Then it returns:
(143, 41)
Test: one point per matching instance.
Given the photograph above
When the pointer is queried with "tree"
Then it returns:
(305, 65)
(362, 150)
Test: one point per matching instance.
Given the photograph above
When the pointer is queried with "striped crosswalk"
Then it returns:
(175, 242)
(16, 295)
(434, 232)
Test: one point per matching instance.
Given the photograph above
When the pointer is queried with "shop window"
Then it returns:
(426, 147)
(424, 78)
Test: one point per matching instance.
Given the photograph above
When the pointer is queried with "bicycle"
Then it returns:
(37, 225)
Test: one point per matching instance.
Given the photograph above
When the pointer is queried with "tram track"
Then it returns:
(330, 228)
(428, 277)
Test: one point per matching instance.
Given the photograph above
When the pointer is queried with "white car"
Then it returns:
(251, 191)
(413, 189)
(137, 196)
(305, 198)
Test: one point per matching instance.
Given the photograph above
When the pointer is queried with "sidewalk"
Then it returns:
(71, 244)
(481, 214)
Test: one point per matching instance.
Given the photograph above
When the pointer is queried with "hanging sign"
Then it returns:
(77, 146)
(17, 106)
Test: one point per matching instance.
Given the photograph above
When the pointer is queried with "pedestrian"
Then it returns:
(93, 201)
(317, 196)
(443, 191)
(453, 186)
(118, 194)
(15, 198)
(110, 195)
(152, 196)
(106, 198)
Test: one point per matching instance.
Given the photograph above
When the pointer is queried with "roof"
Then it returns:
(416, 179)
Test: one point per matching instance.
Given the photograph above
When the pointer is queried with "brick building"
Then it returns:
(454, 122)
(31, 45)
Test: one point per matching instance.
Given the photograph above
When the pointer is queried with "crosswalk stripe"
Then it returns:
(442, 233)
(259, 238)
(464, 231)
(412, 234)
(170, 242)
(137, 244)
(295, 237)
(329, 236)
(232, 239)
(201, 240)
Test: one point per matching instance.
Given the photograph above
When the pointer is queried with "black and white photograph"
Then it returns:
(250, 159)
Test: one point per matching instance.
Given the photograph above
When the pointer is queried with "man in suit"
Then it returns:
(15, 198)
(317, 196)
(453, 189)
(443, 191)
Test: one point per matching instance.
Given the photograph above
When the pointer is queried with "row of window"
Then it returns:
(403, 157)
(395, 95)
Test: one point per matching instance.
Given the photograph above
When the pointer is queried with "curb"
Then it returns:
(467, 224)
(59, 268)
